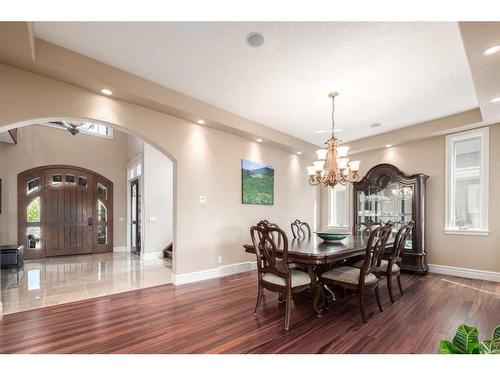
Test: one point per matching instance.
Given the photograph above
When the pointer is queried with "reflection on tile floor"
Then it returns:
(55, 280)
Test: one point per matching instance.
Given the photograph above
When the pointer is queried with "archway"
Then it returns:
(21, 166)
(124, 130)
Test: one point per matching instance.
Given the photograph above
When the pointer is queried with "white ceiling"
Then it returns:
(397, 74)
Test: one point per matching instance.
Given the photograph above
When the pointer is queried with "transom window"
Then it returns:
(90, 128)
(467, 163)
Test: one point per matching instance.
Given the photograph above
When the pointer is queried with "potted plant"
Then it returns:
(466, 342)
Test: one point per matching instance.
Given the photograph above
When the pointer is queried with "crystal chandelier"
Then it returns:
(333, 165)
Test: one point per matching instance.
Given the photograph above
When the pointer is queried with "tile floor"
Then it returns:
(55, 280)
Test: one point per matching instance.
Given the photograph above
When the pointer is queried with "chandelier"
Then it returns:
(333, 166)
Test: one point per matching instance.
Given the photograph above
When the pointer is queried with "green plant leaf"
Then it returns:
(495, 336)
(446, 347)
(465, 340)
(487, 347)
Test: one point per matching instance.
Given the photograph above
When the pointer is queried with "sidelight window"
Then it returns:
(33, 185)
(467, 162)
(33, 235)
(102, 235)
(102, 191)
(102, 212)
(33, 211)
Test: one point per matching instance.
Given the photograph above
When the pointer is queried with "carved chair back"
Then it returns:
(266, 224)
(266, 248)
(399, 241)
(369, 227)
(301, 230)
(374, 249)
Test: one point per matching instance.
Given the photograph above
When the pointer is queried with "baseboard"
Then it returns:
(465, 272)
(119, 249)
(230, 269)
(152, 255)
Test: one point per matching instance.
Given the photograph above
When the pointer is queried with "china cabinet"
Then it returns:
(388, 194)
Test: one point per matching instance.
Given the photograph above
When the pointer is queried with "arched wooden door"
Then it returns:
(64, 210)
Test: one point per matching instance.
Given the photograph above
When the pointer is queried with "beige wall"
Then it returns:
(207, 162)
(43, 145)
(428, 156)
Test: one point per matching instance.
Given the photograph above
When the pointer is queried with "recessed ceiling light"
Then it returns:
(495, 100)
(388, 146)
(107, 92)
(259, 140)
(327, 131)
(255, 39)
(200, 121)
(299, 152)
(491, 50)
(375, 125)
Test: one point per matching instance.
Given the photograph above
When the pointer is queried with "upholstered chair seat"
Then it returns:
(349, 275)
(383, 266)
(298, 278)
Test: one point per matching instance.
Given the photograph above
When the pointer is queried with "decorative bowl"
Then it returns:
(331, 236)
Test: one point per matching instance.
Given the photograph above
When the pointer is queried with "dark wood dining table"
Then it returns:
(315, 251)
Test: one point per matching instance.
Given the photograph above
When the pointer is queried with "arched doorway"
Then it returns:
(64, 210)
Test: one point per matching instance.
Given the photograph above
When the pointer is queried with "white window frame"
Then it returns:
(331, 213)
(451, 139)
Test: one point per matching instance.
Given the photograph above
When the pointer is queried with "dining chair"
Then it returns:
(363, 278)
(369, 227)
(265, 223)
(274, 273)
(301, 230)
(391, 266)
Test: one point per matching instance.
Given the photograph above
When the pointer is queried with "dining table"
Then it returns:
(315, 251)
(318, 255)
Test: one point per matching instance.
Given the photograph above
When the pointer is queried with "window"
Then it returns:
(88, 128)
(32, 185)
(467, 182)
(33, 211)
(96, 129)
(82, 181)
(57, 179)
(102, 191)
(338, 206)
(102, 212)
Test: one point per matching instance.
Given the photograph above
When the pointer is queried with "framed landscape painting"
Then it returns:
(257, 186)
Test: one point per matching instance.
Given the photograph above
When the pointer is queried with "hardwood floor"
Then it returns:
(215, 316)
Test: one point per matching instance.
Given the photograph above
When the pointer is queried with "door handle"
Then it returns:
(90, 221)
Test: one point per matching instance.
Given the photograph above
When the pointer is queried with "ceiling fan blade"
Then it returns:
(73, 130)
(61, 124)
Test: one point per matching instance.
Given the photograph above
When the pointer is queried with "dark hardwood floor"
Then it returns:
(215, 316)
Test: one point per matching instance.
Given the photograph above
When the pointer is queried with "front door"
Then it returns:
(68, 212)
(64, 210)
(135, 217)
